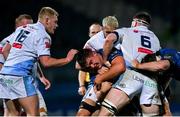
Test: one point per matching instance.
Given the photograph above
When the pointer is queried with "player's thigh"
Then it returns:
(117, 98)
(12, 107)
(152, 109)
(88, 104)
(30, 104)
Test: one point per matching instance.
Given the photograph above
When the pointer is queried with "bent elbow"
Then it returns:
(122, 69)
(45, 64)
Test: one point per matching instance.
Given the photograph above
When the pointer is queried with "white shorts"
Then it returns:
(42, 104)
(133, 83)
(90, 94)
(14, 87)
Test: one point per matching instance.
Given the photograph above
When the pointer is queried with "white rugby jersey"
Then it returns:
(95, 42)
(1, 55)
(136, 42)
(28, 43)
(7, 39)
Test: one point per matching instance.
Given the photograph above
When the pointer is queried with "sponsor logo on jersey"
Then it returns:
(1, 48)
(17, 45)
(47, 44)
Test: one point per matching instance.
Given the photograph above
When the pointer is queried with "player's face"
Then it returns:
(24, 22)
(94, 29)
(51, 24)
(94, 62)
(107, 30)
(27, 21)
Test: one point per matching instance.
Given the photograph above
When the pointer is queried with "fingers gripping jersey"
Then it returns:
(28, 43)
(136, 42)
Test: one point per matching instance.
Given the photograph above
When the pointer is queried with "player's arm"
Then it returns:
(82, 80)
(154, 66)
(108, 45)
(48, 61)
(6, 50)
(42, 78)
(117, 68)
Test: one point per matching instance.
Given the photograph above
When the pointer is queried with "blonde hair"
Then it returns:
(47, 11)
(21, 17)
(110, 21)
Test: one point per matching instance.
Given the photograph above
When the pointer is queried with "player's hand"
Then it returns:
(82, 90)
(107, 63)
(103, 70)
(46, 82)
(97, 83)
(135, 63)
(71, 54)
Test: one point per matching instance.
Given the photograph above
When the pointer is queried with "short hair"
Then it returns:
(110, 21)
(144, 16)
(47, 11)
(81, 57)
(23, 16)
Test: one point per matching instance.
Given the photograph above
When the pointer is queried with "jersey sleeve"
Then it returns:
(114, 53)
(43, 46)
(8, 39)
(88, 46)
(2, 60)
(120, 34)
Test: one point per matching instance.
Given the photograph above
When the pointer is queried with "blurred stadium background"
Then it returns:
(75, 18)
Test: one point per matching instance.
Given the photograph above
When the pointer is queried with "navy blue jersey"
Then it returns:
(114, 53)
(174, 57)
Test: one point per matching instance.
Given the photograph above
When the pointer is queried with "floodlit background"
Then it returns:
(75, 18)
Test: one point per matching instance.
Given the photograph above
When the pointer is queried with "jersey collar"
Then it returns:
(40, 25)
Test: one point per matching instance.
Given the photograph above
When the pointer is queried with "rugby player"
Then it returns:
(135, 42)
(109, 24)
(31, 42)
(83, 77)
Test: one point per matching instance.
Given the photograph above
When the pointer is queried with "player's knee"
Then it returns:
(87, 109)
(150, 110)
(110, 106)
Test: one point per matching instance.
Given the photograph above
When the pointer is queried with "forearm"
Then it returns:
(113, 72)
(40, 73)
(53, 62)
(82, 78)
(6, 50)
(108, 45)
(155, 66)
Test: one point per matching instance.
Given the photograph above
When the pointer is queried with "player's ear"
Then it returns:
(46, 20)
